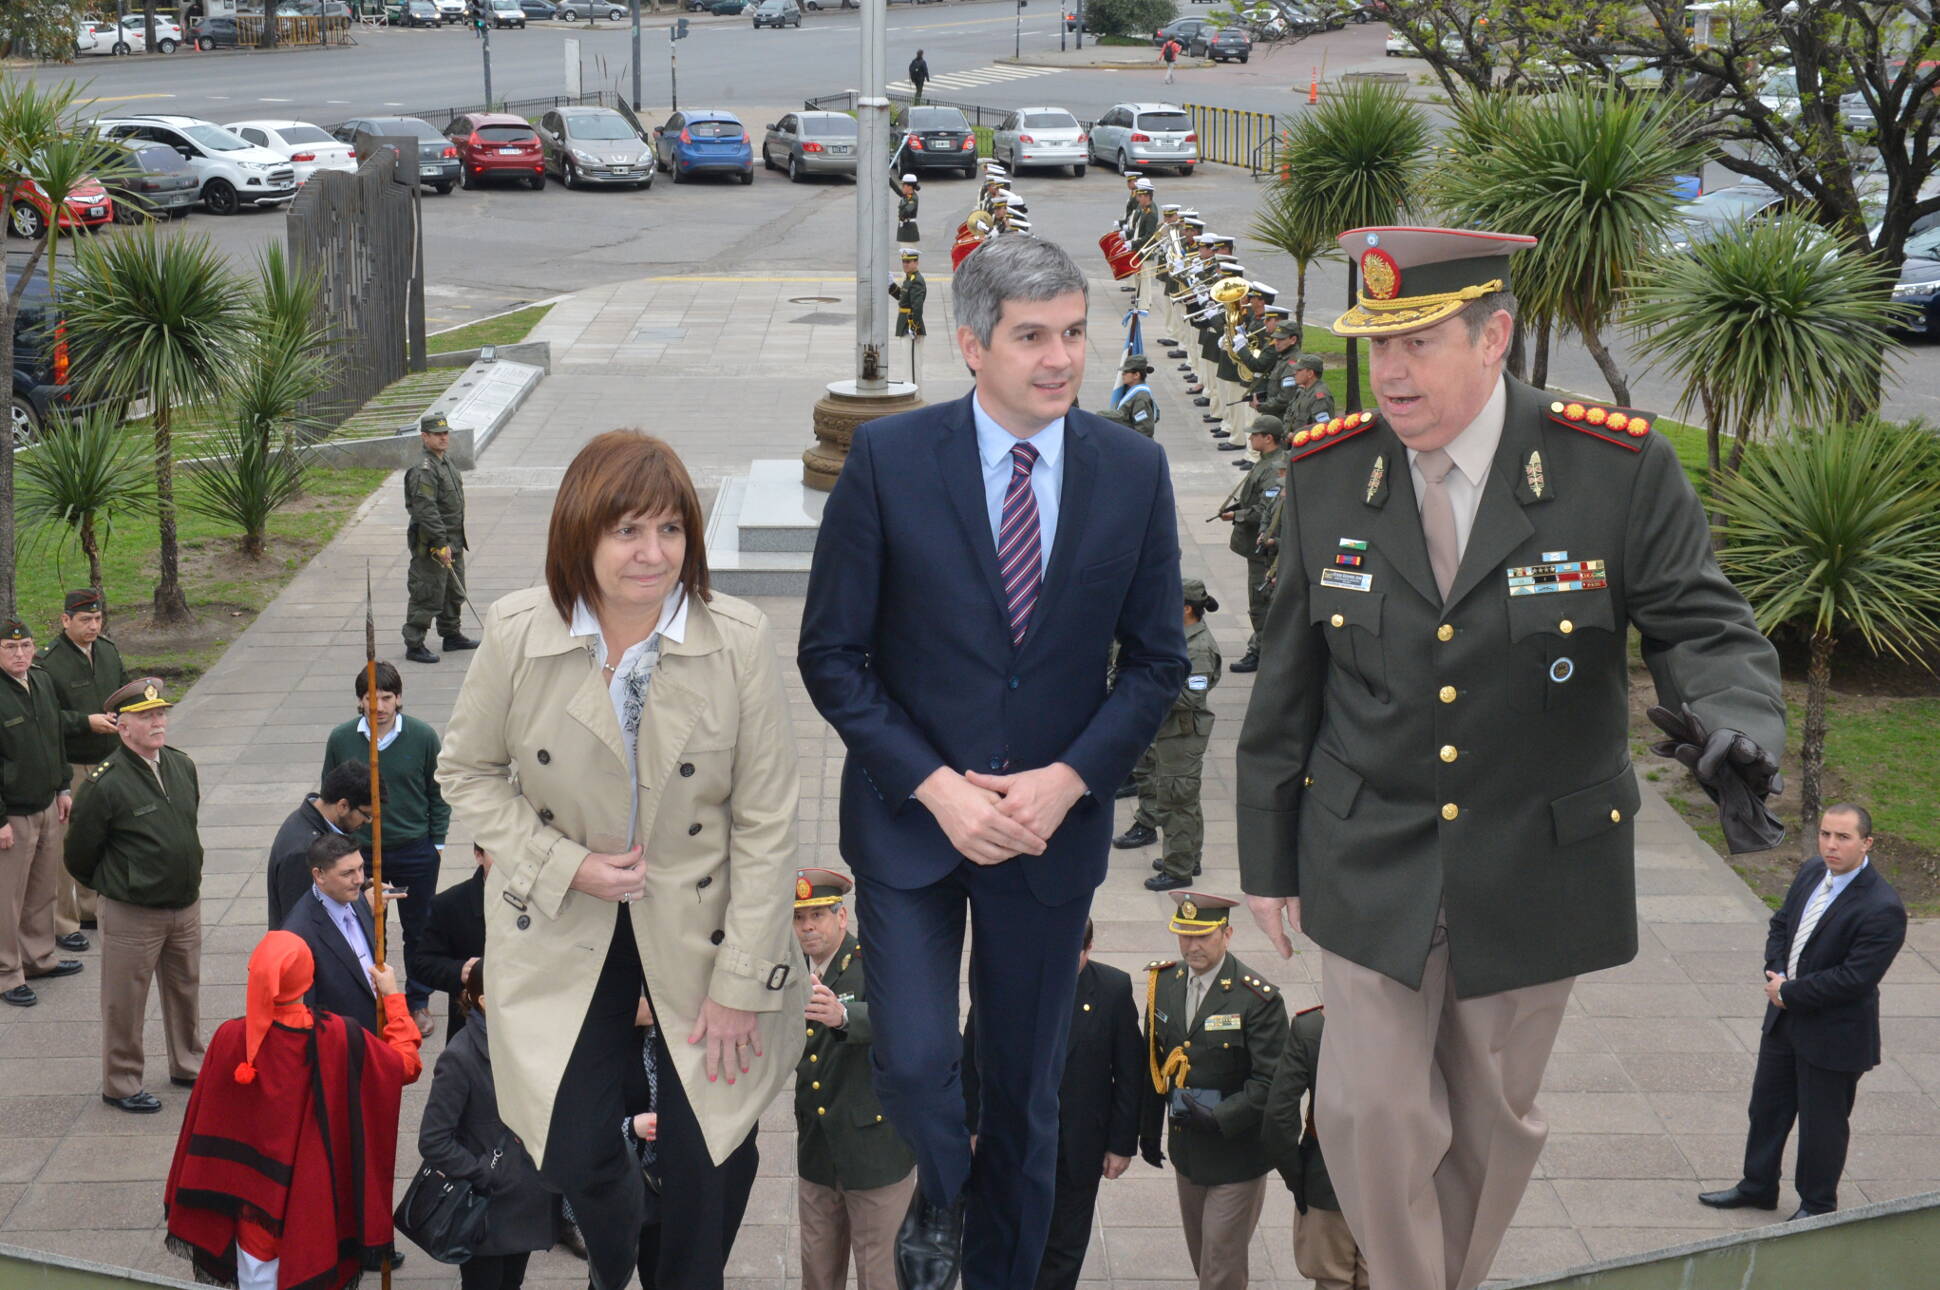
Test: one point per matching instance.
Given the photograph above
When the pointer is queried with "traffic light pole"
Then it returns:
(485, 35)
(673, 69)
(636, 55)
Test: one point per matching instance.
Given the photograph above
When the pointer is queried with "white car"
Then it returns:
(452, 10)
(1040, 136)
(167, 35)
(106, 38)
(307, 147)
(233, 174)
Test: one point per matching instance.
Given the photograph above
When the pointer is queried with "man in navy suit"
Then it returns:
(334, 920)
(975, 563)
(1829, 945)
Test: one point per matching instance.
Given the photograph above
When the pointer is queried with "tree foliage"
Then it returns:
(1128, 17)
(42, 29)
(81, 479)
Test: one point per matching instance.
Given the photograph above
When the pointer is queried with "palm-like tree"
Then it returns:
(1836, 531)
(81, 481)
(1588, 171)
(159, 317)
(1772, 325)
(1282, 226)
(1353, 161)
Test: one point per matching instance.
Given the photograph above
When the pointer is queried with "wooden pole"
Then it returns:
(376, 818)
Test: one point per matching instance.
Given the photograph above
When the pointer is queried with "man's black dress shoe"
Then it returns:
(179, 1082)
(73, 941)
(1168, 342)
(459, 642)
(21, 996)
(1803, 1212)
(89, 924)
(1166, 882)
(66, 967)
(1218, 433)
(142, 1103)
(1736, 1197)
(1230, 446)
(929, 1245)
(1136, 836)
(419, 654)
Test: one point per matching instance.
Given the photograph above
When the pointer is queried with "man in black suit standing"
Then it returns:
(334, 920)
(1829, 945)
(975, 563)
(343, 806)
(1097, 1108)
(454, 938)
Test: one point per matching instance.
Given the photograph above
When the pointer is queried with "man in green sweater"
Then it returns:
(132, 837)
(415, 814)
(87, 668)
(34, 803)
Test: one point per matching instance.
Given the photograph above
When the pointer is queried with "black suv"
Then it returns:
(935, 138)
(40, 387)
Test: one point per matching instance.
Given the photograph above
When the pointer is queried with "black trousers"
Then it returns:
(493, 1271)
(1785, 1087)
(589, 1161)
(1072, 1207)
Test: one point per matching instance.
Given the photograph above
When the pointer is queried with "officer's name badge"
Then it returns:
(1223, 1021)
(1565, 575)
(1346, 581)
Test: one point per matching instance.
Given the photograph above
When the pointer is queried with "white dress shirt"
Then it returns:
(1472, 451)
(1047, 475)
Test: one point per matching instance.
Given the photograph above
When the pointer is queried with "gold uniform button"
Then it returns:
(814, 1057)
(1616, 816)
(821, 1110)
(1566, 627)
(1308, 782)
(1449, 753)
(1450, 810)
(1188, 1043)
(816, 1084)
(1338, 620)
(1447, 694)
(1444, 633)
(811, 1032)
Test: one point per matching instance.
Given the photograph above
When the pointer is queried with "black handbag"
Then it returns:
(442, 1215)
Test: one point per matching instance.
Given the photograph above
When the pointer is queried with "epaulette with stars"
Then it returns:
(1325, 434)
(98, 771)
(1625, 427)
(1260, 987)
(1158, 965)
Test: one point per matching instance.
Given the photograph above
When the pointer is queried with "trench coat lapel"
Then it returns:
(962, 471)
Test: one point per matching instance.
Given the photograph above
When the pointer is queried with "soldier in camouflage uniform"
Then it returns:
(435, 497)
(1169, 773)
(1132, 403)
(1312, 401)
(1276, 387)
(1253, 507)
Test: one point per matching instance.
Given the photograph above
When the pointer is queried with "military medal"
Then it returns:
(1532, 471)
(1557, 575)
(1375, 478)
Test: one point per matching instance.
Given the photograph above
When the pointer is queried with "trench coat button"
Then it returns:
(1450, 810)
(1447, 694)
(1338, 620)
(545, 815)
(686, 770)
(544, 757)
(1449, 753)
(1444, 633)
(525, 921)
(717, 936)
(692, 829)
(707, 881)
(1616, 816)
(1566, 627)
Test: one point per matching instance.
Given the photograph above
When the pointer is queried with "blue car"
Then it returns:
(691, 143)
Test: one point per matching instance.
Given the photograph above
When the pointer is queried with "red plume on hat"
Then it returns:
(280, 973)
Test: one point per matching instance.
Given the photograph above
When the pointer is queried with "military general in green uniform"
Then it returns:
(435, 497)
(1214, 1031)
(1252, 503)
(1324, 1251)
(1172, 769)
(87, 667)
(1434, 774)
(855, 1173)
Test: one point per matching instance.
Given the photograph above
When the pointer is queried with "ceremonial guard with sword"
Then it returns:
(910, 295)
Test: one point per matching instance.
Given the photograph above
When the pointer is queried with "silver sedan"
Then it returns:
(811, 143)
(1040, 136)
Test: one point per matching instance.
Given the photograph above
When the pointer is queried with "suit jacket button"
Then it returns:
(686, 769)
(996, 763)
(1449, 753)
(1566, 627)
(816, 1084)
(1616, 816)
(544, 757)
(1013, 683)
(1338, 620)
(525, 921)
(692, 829)
(1446, 694)
(717, 936)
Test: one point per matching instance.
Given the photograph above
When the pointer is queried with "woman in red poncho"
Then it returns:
(282, 1175)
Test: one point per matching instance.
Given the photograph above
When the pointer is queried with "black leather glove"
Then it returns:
(1733, 771)
(1198, 1117)
(1148, 1151)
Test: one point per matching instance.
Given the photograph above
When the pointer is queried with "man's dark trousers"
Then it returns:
(1008, 1188)
(413, 867)
(1784, 1086)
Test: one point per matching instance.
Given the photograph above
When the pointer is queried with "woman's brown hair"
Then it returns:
(619, 473)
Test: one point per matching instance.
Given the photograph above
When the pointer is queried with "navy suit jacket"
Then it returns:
(1832, 1005)
(341, 985)
(906, 651)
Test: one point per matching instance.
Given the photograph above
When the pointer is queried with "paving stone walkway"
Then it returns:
(1645, 1095)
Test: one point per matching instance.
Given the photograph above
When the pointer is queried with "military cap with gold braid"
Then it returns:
(1200, 913)
(1416, 277)
(141, 695)
(817, 888)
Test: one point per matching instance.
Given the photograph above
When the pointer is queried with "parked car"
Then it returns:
(728, 7)
(574, 10)
(106, 38)
(689, 143)
(777, 13)
(935, 138)
(506, 13)
(308, 148)
(812, 4)
(156, 182)
(41, 386)
(168, 36)
(1224, 44)
(214, 33)
(233, 174)
(1040, 136)
(414, 13)
(1721, 210)
(452, 10)
(539, 10)
(1183, 30)
(811, 143)
(594, 145)
(1919, 283)
(1141, 136)
(497, 145)
(88, 207)
(438, 166)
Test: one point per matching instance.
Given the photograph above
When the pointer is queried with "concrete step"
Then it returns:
(761, 532)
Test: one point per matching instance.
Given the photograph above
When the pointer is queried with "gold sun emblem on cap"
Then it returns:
(1188, 910)
(802, 889)
(1381, 273)
(148, 692)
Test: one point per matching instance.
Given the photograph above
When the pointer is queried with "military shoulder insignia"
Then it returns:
(1260, 987)
(1159, 965)
(1322, 435)
(100, 770)
(1622, 426)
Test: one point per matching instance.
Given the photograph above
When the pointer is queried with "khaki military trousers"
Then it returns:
(74, 904)
(1427, 1104)
(29, 872)
(138, 944)
(433, 593)
(1324, 1251)
(837, 1221)
(1219, 1223)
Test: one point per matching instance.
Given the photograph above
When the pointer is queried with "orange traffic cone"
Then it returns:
(1313, 87)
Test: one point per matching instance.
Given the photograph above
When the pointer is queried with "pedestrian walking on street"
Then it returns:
(435, 497)
(919, 75)
(1169, 54)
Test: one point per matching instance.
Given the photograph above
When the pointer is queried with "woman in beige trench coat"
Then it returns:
(675, 881)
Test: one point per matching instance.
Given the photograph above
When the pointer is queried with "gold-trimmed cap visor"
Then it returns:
(1413, 278)
(816, 888)
(143, 695)
(1200, 913)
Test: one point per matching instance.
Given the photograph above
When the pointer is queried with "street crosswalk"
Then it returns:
(994, 74)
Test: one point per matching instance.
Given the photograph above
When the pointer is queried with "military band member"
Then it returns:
(34, 805)
(1252, 357)
(1252, 505)
(1132, 181)
(906, 190)
(1132, 403)
(1214, 1032)
(435, 497)
(87, 667)
(855, 1174)
(1434, 774)
(1172, 769)
(1324, 1250)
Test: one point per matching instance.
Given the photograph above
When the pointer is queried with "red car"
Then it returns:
(88, 206)
(496, 145)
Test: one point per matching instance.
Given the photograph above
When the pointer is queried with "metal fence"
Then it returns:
(360, 236)
(1231, 136)
(294, 29)
(442, 116)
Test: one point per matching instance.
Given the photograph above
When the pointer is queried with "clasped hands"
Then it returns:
(991, 818)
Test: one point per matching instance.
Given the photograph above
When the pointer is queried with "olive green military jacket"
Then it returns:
(1315, 403)
(132, 841)
(1276, 389)
(33, 726)
(1231, 1046)
(910, 294)
(1138, 411)
(842, 1139)
(1401, 755)
(1288, 1135)
(83, 682)
(1250, 504)
(435, 496)
(1191, 712)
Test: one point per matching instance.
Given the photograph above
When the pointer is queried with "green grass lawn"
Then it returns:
(506, 329)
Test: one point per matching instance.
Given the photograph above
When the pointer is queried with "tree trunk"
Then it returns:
(171, 606)
(1300, 297)
(1539, 372)
(1607, 364)
(1818, 683)
(91, 548)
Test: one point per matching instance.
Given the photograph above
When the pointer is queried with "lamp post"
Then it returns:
(636, 55)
